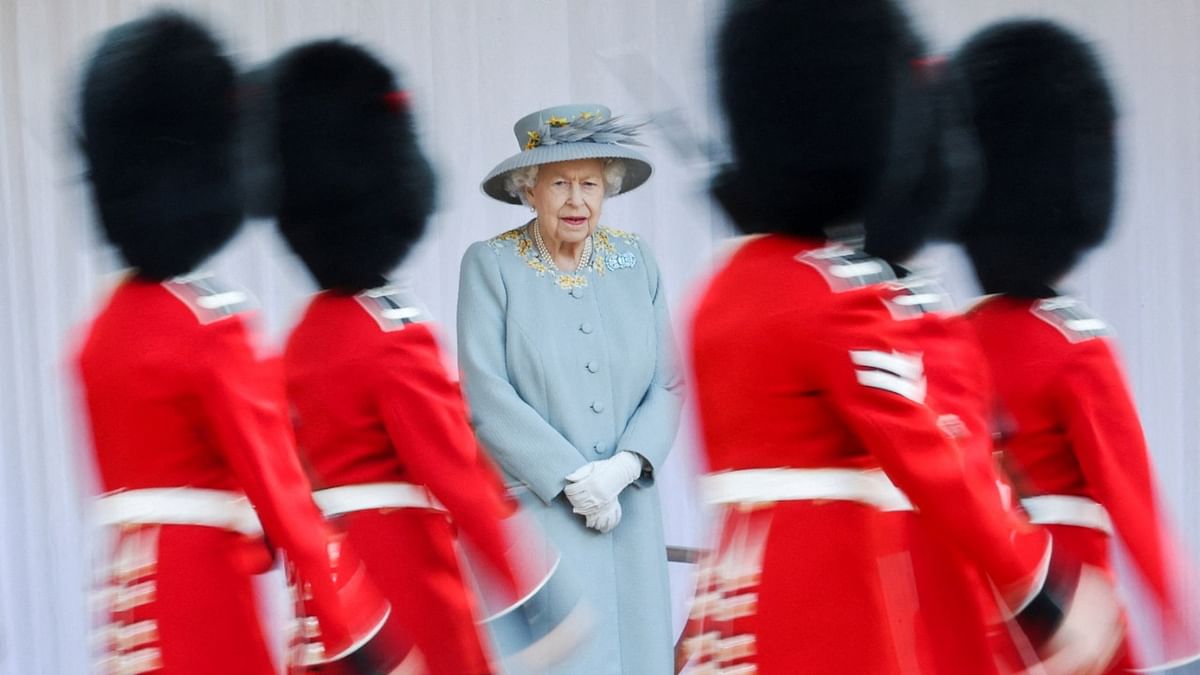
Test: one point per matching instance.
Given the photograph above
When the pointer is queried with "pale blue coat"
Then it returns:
(561, 370)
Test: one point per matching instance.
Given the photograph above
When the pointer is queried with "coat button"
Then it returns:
(597, 448)
(585, 328)
(592, 366)
(597, 407)
(577, 292)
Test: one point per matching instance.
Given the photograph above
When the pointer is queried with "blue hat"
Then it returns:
(569, 132)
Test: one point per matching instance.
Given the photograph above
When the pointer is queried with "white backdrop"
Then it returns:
(473, 68)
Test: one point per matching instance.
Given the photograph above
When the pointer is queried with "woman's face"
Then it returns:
(567, 197)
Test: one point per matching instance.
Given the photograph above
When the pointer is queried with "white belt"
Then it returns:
(1067, 510)
(178, 506)
(366, 496)
(753, 486)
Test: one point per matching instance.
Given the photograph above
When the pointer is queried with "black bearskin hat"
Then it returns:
(811, 93)
(354, 190)
(159, 136)
(949, 177)
(1045, 117)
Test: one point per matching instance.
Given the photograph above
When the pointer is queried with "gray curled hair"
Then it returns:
(520, 180)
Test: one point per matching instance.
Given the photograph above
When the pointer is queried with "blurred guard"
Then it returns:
(380, 422)
(1068, 427)
(958, 626)
(189, 428)
(813, 397)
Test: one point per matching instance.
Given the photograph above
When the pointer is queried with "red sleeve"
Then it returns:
(1103, 426)
(873, 370)
(426, 418)
(972, 402)
(244, 403)
(973, 406)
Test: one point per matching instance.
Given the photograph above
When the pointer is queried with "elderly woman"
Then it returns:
(568, 365)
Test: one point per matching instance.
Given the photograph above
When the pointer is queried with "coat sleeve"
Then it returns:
(427, 422)
(1103, 426)
(875, 380)
(244, 404)
(973, 406)
(651, 429)
(523, 443)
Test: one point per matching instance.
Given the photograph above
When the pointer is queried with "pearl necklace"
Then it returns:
(581, 263)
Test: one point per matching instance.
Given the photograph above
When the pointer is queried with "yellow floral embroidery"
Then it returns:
(499, 240)
(557, 121)
(603, 246)
(535, 139)
(569, 281)
(629, 237)
(525, 247)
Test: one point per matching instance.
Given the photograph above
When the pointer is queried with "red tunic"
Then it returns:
(374, 404)
(1068, 426)
(960, 622)
(796, 365)
(176, 398)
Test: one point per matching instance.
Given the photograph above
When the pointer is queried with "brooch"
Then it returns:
(620, 261)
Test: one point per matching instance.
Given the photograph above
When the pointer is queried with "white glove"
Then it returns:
(1090, 633)
(606, 519)
(595, 485)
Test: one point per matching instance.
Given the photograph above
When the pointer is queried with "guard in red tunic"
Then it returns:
(959, 624)
(958, 627)
(189, 427)
(1067, 425)
(380, 423)
(813, 397)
